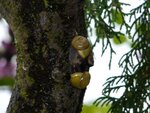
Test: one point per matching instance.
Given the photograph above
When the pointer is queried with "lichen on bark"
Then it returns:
(42, 38)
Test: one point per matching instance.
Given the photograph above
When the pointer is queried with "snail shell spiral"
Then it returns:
(80, 80)
(82, 45)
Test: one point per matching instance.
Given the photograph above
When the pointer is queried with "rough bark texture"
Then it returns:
(43, 32)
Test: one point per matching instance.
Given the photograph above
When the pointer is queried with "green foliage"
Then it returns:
(94, 109)
(9, 81)
(135, 77)
(107, 15)
(148, 3)
(119, 40)
(116, 16)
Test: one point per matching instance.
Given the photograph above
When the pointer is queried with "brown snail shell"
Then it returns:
(82, 45)
(80, 80)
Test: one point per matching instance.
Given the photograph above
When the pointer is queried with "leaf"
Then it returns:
(9, 81)
(116, 16)
(95, 109)
(148, 3)
(119, 40)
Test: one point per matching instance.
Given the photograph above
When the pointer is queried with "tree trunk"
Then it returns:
(43, 31)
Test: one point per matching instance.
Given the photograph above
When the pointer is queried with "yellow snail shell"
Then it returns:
(82, 45)
(80, 80)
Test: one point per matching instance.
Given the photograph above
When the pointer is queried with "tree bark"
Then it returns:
(43, 31)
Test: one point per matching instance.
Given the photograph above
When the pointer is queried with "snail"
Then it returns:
(80, 58)
(82, 45)
(80, 80)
